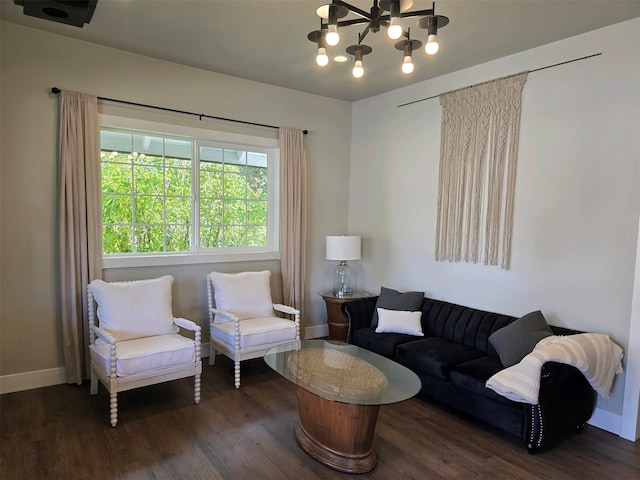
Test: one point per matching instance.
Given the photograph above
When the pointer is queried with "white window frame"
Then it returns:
(202, 255)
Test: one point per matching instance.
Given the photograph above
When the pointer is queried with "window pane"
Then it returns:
(211, 236)
(257, 213)
(256, 236)
(235, 157)
(117, 209)
(211, 183)
(148, 238)
(177, 181)
(148, 180)
(234, 185)
(178, 210)
(235, 236)
(117, 239)
(178, 238)
(210, 211)
(149, 210)
(211, 154)
(235, 212)
(256, 182)
(116, 178)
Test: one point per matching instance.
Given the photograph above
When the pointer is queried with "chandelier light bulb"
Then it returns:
(395, 29)
(432, 46)
(322, 59)
(407, 66)
(358, 70)
(333, 37)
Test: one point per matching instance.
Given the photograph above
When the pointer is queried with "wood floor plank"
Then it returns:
(62, 432)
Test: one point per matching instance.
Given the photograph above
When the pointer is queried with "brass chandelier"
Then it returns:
(376, 18)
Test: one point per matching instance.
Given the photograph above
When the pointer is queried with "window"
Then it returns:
(167, 195)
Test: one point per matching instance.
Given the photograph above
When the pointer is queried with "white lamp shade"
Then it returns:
(343, 247)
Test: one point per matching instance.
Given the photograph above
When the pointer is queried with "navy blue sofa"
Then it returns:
(454, 359)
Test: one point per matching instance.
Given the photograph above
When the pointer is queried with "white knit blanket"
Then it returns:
(594, 354)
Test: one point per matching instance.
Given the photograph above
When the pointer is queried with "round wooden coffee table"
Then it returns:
(340, 389)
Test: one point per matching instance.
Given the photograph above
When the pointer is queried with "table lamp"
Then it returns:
(343, 248)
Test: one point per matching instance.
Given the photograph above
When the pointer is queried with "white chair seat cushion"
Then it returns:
(256, 331)
(145, 354)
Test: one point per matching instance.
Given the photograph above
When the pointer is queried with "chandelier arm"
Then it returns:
(363, 34)
(354, 21)
(418, 13)
(353, 9)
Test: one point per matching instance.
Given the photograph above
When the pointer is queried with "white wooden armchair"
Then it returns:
(135, 342)
(243, 324)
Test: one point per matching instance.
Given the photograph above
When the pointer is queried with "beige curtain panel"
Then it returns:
(80, 224)
(293, 216)
(476, 181)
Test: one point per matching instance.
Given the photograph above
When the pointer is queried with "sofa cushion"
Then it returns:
(464, 325)
(381, 343)
(473, 376)
(435, 355)
(518, 339)
(394, 300)
(398, 321)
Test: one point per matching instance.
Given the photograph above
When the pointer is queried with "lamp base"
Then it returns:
(342, 281)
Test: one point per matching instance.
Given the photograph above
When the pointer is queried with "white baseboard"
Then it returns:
(606, 421)
(29, 380)
(316, 331)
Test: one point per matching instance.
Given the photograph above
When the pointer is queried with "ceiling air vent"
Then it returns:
(71, 12)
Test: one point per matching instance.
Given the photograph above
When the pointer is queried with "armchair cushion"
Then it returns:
(136, 309)
(256, 331)
(145, 354)
(245, 294)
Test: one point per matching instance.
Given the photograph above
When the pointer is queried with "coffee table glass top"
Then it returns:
(343, 373)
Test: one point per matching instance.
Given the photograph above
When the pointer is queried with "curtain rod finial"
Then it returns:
(55, 90)
(305, 132)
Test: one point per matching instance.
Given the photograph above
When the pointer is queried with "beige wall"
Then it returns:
(34, 61)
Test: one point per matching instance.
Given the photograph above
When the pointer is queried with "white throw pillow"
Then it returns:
(136, 309)
(399, 321)
(245, 294)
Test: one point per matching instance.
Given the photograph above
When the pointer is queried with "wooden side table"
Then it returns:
(338, 324)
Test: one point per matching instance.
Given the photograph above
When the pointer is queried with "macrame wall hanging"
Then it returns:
(476, 182)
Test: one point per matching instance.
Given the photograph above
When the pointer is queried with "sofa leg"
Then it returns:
(531, 449)
(579, 428)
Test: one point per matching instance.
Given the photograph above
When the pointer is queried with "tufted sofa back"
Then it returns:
(465, 325)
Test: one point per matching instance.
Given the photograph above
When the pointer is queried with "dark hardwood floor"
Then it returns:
(62, 432)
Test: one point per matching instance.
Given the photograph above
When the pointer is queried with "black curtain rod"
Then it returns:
(56, 90)
(530, 71)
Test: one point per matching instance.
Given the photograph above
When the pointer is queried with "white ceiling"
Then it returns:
(266, 41)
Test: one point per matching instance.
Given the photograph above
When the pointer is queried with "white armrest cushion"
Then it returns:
(187, 324)
(222, 316)
(103, 335)
(286, 309)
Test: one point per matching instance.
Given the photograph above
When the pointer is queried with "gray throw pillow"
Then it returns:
(390, 299)
(517, 340)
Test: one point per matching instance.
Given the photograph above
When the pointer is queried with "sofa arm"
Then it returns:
(566, 402)
(358, 313)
